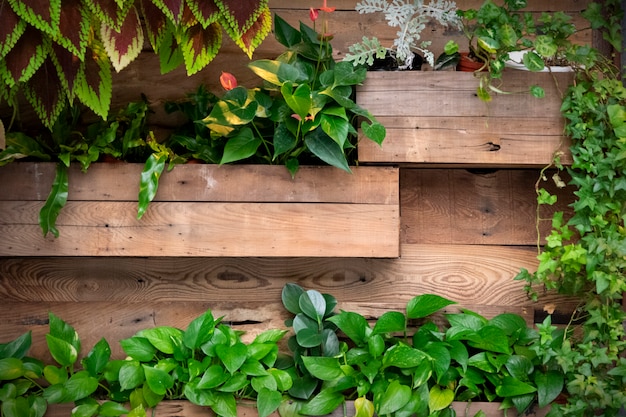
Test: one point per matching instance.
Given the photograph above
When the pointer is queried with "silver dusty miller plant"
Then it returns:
(410, 16)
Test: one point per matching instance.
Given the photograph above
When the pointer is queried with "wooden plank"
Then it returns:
(204, 229)
(435, 119)
(489, 207)
(207, 182)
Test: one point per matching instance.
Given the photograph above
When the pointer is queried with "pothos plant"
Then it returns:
(405, 364)
(57, 52)
(305, 110)
(207, 364)
(585, 255)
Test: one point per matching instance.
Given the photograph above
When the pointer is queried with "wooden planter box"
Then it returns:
(205, 210)
(185, 408)
(436, 118)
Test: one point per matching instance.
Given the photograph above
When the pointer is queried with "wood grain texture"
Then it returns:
(323, 212)
(491, 207)
(435, 118)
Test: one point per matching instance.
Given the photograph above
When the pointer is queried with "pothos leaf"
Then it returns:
(94, 84)
(200, 46)
(55, 202)
(149, 181)
(123, 45)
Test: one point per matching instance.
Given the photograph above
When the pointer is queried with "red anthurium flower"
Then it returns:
(327, 9)
(314, 14)
(228, 81)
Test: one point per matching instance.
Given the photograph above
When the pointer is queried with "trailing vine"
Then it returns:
(585, 255)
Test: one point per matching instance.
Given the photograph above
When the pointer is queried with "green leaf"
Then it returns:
(97, 359)
(290, 296)
(439, 398)
(426, 304)
(533, 61)
(55, 202)
(214, 376)
(63, 352)
(337, 128)
(322, 146)
(537, 92)
(284, 33)
(232, 356)
(18, 347)
(403, 356)
(549, 386)
(86, 410)
(298, 100)
(241, 146)
(394, 398)
(511, 387)
(490, 338)
(277, 72)
(94, 82)
(323, 403)
(323, 368)
(138, 348)
(164, 338)
(55, 375)
(158, 380)
(363, 407)
(199, 331)
(149, 181)
(131, 375)
(389, 322)
(268, 401)
(11, 368)
(374, 131)
(111, 409)
(313, 304)
(353, 325)
(80, 385)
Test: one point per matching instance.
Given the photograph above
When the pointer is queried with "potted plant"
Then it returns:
(583, 256)
(410, 17)
(305, 113)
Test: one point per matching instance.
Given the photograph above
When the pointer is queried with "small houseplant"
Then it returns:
(410, 17)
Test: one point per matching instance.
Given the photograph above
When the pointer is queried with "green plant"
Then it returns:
(410, 17)
(207, 363)
(584, 256)
(407, 365)
(494, 31)
(304, 111)
(56, 52)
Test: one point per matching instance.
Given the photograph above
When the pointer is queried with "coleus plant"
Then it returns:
(56, 52)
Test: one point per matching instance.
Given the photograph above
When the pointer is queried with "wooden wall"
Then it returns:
(465, 234)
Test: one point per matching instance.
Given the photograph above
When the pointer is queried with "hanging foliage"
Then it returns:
(56, 51)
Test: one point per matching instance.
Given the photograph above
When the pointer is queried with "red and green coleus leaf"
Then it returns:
(173, 9)
(11, 29)
(245, 18)
(25, 58)
(110, 12)
(94, 83)
(74, 27)
(43, 15)
(44, 92)
(200, 46)
(170, 53)
(125, 45)
(68, 66)
(206, 12)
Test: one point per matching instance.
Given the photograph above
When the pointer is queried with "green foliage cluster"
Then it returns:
(57, 52)
(304, 109)
(207, 364)
(585, 255)
(407, 365)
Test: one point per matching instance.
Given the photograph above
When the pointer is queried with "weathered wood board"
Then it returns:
(206, 210)
(435, 118)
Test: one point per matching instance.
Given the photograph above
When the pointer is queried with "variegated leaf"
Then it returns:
(94, 84)
(173, 9)
(43, 91)
(238, 16)
(123, 46)
(68, 67)
(155, 23)
(25, 58)
(200, 46)
(206, 12)
(170, 53)
(43, 14)
(110, 12)
(11, 29)
(74, 27)
(253, 37)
